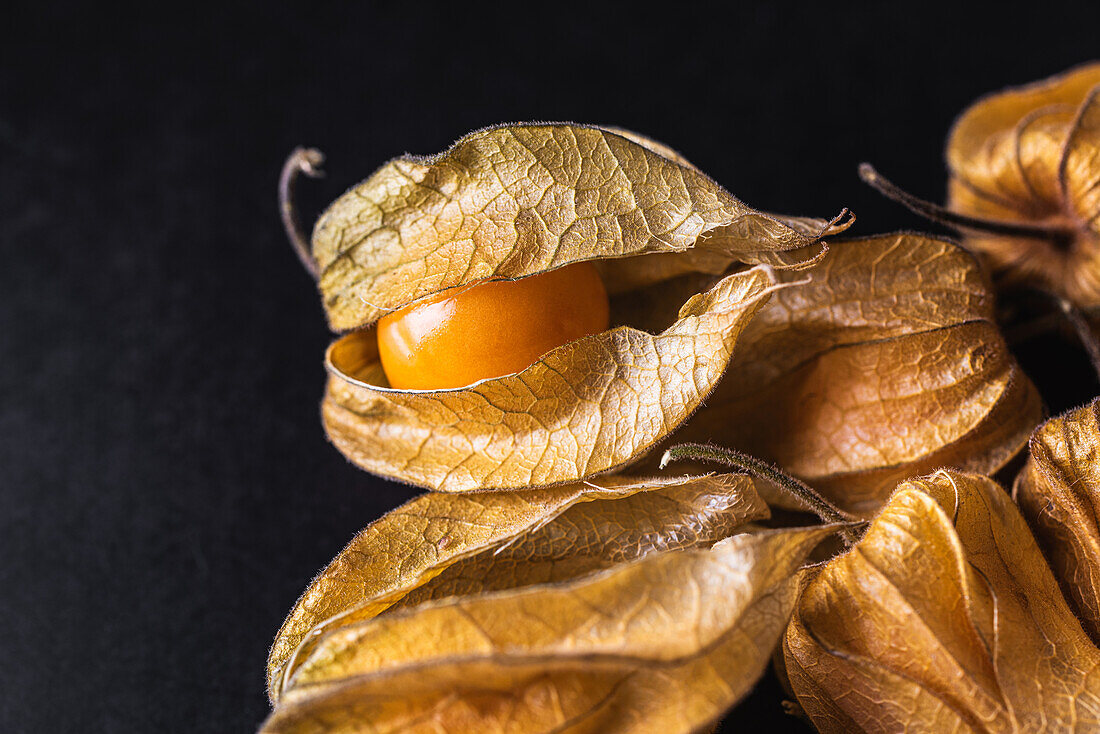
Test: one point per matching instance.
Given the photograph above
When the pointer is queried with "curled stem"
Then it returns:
(955, 220)
(827, 511)
(307, 161)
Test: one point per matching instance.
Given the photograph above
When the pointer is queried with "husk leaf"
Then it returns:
(1059, 493)
(664, 643)
(887, 364)
(585, 408)
(945, 617)
(1032, 155)
(516, 200)
(440, 545)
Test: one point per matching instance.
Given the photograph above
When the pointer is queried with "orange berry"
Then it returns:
(488, 329)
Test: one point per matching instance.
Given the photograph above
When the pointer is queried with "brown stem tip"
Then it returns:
(307, 161)
(955, 220)
(753, 466)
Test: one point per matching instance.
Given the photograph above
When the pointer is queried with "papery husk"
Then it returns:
(585, 408)
(1059, 493)
(440, 545)
(887, 364)
(945, 617)
(1032, 155)
(516, 200)
(663, 643)
(513, 201)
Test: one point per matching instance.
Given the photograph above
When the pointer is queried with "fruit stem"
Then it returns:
(1065, 313)
(1080, 325)
(827, 511)
(307, 161)
(955, 220)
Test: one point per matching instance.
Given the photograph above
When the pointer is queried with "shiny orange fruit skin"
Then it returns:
(489, 329)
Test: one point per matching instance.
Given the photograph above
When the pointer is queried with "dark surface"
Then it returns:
(167, 489)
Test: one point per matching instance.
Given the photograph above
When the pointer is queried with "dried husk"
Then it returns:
(1032, 155)
(585, 408)
(440, 545)
(663, 643)
(886, 365)
(516, 200)
(1059, 493)
(945, 617)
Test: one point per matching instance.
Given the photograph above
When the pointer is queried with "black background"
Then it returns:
(166, 487)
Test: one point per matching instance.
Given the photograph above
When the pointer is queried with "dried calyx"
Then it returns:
(516, 203)
(613, 605)
(831, 354)
(945, 617)
(1023, 168)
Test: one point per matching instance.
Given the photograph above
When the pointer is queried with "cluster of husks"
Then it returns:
(555, 582)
